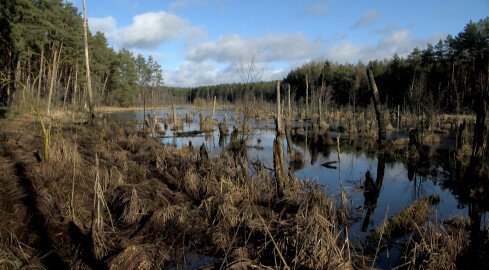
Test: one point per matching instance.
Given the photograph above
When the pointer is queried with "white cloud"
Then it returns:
(229, 48)
(191, 74)
(226, 48)
(366, 18)
(150, 30)
(105, 25)
(399, 42)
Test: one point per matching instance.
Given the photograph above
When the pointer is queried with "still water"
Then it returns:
(400, 186)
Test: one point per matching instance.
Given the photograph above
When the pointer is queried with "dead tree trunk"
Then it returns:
(41, 65)
(279, 117)
(278, 164)
(175, 115)
(214, 109)
(320, 113)
(75, 86)
(51, 84)
(378, 112)
(290, 149)
(66, 89)
(91, 104)
(288, 90)
(307, 95)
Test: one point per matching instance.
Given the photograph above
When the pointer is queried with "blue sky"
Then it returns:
(199, 42)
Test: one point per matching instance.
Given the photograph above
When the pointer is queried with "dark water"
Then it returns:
(400, 185)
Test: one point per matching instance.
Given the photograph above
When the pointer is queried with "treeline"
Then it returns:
(231, 93)
(449, 76)
(42, 52)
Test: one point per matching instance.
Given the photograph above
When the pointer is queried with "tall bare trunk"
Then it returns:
(28, 79)
(75, 86)
(174, 115)
(18, 79)
(41, 66)
(214, 109)
(279, 117)
(51, 85)
(91, 106)
(66, 89)
(153, 95)
(380, 117)
(288, 90)
(307, 95)
(105, 85)
(320, 112)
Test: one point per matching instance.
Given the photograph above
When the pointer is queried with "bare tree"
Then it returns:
(91, 105)
(248, 72)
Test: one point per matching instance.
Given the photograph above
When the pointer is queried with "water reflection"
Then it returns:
(385, 184)
(372, 192)
(470, 185)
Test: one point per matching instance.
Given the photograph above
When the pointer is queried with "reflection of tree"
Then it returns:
(222, 140)
(372, 192)
(417, 174)
(471, 190)
(471, 186)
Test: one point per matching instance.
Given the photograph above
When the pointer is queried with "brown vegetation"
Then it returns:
(110, 198)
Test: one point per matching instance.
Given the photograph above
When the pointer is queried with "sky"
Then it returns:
(204, 42)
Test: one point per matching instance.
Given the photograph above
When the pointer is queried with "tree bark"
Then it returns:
(105, 85)
(214, 109)
(18, 79)
(278, 164)
(41, 66)
(91, 105)
(279, 117)
(320, 112)
(73, 99)
(174, 116)
(378, 112)
(51, 85)
(66, 89)
(288, 90)
(307, 95)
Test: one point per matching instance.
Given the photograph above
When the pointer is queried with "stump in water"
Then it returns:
(174, 115)
(223, 129)
(203, 155)
(214, 109)
(234, 135)
(278, 165)
(414, 137)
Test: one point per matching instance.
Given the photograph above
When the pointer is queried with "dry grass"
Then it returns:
(407, 220)
(436, 246)
(431, 139)
(136, 203)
